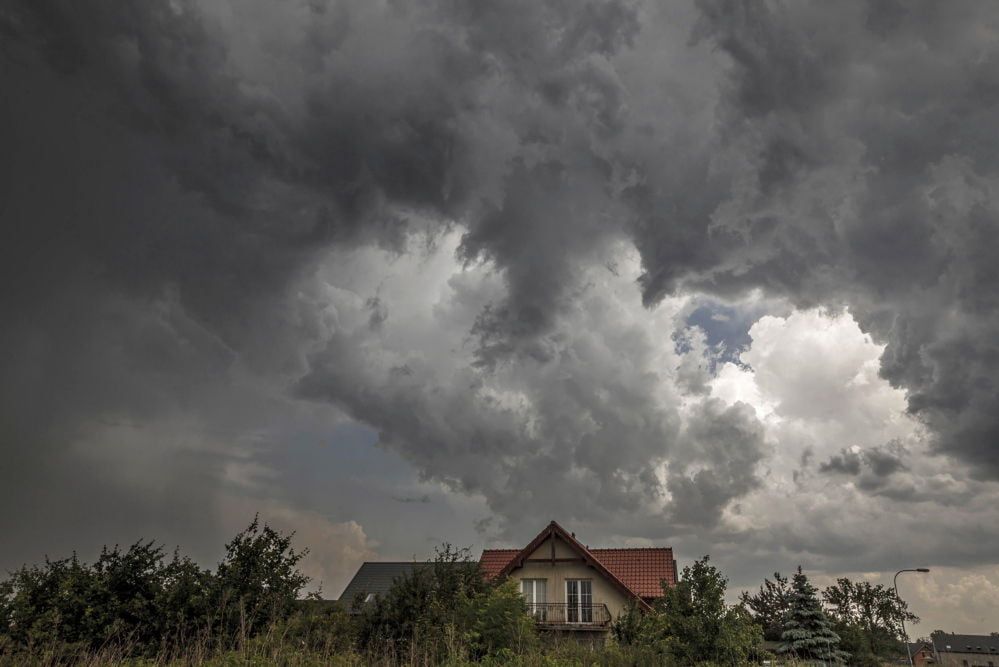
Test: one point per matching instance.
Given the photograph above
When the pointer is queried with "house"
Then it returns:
(374, 579)
(921, 653)
(953, 650)
(571, 587)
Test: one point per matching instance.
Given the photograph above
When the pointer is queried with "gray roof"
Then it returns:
(950, 643)
(376, 579)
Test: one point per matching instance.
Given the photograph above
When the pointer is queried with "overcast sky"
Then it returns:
(717, 275)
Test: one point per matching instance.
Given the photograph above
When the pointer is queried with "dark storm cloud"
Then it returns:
(846, 463)
(172, 171)
(370, 134)
(879, 461)
(884, 462)
(183, 166)
(862, 165)
(727, 442)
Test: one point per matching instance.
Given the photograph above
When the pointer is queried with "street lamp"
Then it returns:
(901, 618)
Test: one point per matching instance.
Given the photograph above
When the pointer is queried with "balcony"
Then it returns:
(559, 615)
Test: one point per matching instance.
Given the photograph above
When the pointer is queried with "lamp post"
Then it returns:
(901, 618)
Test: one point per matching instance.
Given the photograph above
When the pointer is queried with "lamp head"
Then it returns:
(922, 569)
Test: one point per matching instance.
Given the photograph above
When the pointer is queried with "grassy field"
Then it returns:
(272, 650)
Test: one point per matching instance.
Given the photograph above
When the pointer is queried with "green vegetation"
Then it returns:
(138, 602)
(138, 605)
(771, 606)
(446, 612)
(142, 606)
(808, 633)
(866, 618)
(692, 625)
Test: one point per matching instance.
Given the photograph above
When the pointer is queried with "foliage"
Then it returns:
(869, 620)
(808, 633)
(140, 602)
(317, 628)
(258, 580)
(630, 625)
(133, 597)
(691, 624)
(770, 605)
(138, 606)
(446, 610)
(502, 622)
(432, 607)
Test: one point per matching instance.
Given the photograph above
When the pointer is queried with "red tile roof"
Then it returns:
(494, 560)
(641, 569)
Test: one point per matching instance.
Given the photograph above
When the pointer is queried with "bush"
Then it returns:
(692, 625)
(430, 608)
(258, 582)
(446, 611)
(137, 602)
(502, 625)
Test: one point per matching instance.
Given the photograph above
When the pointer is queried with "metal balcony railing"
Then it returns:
(562, 614)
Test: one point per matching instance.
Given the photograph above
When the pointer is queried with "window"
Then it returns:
(534, 591)
(579, 600)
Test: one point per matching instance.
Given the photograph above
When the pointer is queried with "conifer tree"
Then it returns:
(808, 633)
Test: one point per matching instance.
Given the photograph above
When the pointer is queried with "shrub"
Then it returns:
(691, 624)
(258, 581)
(137, 602)
(502, 625)
(430, 608)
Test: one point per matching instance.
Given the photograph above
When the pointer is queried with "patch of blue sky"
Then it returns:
(726, 329)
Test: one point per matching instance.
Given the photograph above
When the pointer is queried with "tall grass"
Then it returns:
(278, 646)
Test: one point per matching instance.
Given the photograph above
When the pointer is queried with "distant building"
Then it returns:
(374, 579)
(951, 650)
(922, 653)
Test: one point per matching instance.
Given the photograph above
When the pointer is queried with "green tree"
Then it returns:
(136, 599)
(770, 605)
(258, 581)
(630, 626)
(430, 609)
(49, 604)
(501, 622)
(869, 620)
(185, 602)
(131, 597)
(808, 633)
(691, 623)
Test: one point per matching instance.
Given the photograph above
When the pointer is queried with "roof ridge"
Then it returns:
(631, 548)
(399, 562)
(515, 550)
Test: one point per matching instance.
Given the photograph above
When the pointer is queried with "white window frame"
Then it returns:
(533, 599)
(579, 601)
(539, 612)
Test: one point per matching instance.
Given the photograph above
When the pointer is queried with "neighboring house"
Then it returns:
(921, 653)
(953, 650)
(373, 580)
(569, 586)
